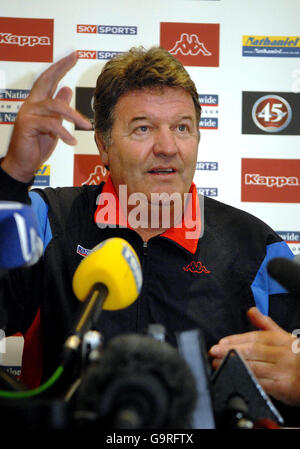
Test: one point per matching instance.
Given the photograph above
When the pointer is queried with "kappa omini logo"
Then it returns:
(97, 176)
(196, 267)
(272, 113)
(193, 44)
(189, 44)
(89, 170)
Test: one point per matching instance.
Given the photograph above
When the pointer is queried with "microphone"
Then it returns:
(137, 383)
(239, 401)
(192, 347)
(286, 272)
(109, 278)
(20, 243)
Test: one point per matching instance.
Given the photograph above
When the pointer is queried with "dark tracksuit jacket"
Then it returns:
(207, 284)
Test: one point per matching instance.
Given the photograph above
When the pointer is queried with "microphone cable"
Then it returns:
(114, 294)
(36, 391)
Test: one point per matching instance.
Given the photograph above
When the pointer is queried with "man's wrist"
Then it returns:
(15, 173)
(12, 189)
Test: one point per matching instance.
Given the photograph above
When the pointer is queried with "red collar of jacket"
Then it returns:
(180, 233)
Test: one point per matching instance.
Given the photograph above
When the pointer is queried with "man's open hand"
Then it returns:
(269, 354)
(39, 122)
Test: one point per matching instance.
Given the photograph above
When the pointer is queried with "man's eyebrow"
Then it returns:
(186, 117)
(150, 117)
(138, 118)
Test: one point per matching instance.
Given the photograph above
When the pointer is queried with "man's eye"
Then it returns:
(143, 129)
(182, 128)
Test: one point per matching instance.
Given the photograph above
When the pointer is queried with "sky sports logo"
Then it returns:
(93, 54)
(207, 191)
(10, 102)
(209, 116)
(107, 29)
(272, 46)
(28, 40)
(204, 165)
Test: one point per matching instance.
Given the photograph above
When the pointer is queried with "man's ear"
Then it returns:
(102, 148)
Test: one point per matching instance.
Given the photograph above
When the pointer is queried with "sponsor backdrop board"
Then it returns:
(243, 56)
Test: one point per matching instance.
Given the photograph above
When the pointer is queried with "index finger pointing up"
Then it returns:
(46, 84)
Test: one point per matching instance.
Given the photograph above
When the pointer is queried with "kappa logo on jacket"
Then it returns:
(196, 267)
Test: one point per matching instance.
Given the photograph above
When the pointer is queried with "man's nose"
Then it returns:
(165, 143)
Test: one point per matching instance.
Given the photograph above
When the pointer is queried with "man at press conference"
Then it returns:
(147, 117)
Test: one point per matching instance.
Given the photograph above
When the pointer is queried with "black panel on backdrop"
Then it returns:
(83, 102)
(271, 113)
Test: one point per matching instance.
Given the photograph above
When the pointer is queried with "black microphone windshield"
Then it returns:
(286, 272)
(138, 382)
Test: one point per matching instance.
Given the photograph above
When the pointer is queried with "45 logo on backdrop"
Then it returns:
(270, 113)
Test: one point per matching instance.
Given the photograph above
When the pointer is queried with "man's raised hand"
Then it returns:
(39, 122)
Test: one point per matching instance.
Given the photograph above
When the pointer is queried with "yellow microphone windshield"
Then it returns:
(115, 264)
